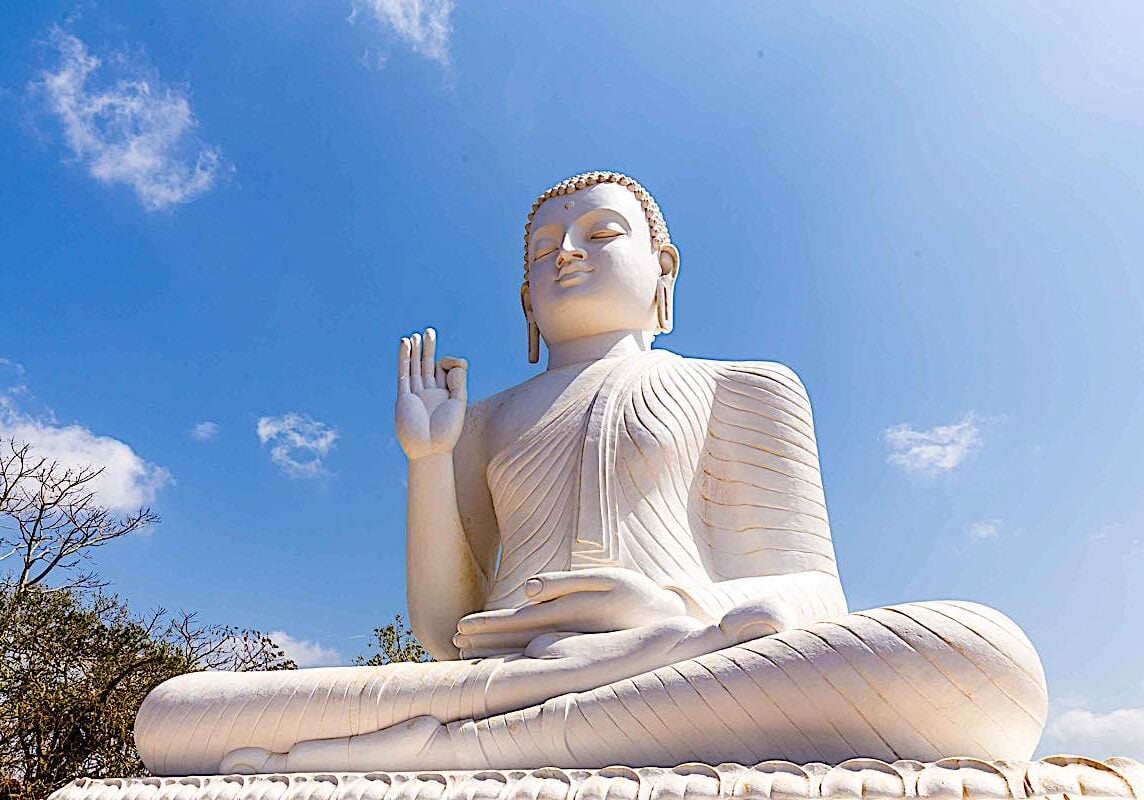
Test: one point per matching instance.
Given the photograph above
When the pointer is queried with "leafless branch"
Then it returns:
(50, 519)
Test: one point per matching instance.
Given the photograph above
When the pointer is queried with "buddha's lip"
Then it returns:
(561, 275)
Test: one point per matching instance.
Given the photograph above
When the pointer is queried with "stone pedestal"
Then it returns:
(969, 779)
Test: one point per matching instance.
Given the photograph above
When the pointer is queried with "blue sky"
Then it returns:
(228, 213)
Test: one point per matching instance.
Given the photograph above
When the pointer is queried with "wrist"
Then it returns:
(432, 457)
(431, 471)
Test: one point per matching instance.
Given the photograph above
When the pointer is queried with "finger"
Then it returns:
(403, 350)
(428, 353)
(457, 377)
(490, 653)
(550, 585)
(501, 641)
(484, 621)
(415, 363)
(582, 613)
(458, 384)
(439, 376)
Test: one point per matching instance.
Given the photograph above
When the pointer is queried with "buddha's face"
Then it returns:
(593, 267)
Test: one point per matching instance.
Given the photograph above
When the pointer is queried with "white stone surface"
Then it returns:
(624, 559)
(965, 779)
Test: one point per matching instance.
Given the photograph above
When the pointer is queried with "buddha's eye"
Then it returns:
(543, 250)
(609, 231)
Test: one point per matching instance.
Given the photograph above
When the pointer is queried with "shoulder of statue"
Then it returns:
(477, 416)
(746, 375)
(765, 370)
(481, 408)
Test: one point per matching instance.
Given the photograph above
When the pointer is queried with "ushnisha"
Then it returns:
(626, 559)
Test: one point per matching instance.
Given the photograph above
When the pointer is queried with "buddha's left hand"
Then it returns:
(583, 601)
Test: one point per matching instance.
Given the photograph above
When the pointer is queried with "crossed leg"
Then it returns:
(921, 681)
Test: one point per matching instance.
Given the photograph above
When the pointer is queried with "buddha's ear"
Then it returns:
(669, 261)
(665, 288)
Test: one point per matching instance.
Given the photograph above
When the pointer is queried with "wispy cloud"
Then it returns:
(1101, 533)
(424, 25)
(15, 367)
(1077, 730)
(204, 431)
(128, 481)
(985, 529)
(298, 443)
(372, 59)
(128, 128)
(933, 451)
(306, 653)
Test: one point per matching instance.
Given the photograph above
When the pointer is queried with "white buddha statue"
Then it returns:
(624, 560)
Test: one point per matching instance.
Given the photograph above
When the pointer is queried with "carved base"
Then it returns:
(1058, 776)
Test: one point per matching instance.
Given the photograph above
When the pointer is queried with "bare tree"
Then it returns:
(76, 663)
(225, 647)
(50, 520)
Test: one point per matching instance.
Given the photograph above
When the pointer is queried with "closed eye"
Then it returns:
(610, 231)
(543, 252)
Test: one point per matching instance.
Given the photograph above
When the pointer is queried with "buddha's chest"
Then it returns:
(525, 407)
(602, 444)
(646, 421)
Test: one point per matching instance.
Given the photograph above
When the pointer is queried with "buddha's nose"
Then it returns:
(568, 252)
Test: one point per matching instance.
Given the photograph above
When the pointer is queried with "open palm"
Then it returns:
(431, 397)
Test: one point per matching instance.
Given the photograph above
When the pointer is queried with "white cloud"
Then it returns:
(985, 529)
(204, 431)
(132, 130)
(127, 481)
(422, 24)
(14, 366)
(306, 653)
(298, 443)
(939, 449)
(1102, 532)
(1083, 732)
(373, 60)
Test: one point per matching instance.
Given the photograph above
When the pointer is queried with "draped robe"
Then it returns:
(704, 476)
(700, 474)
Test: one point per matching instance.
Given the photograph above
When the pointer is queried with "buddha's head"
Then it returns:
(597, 259)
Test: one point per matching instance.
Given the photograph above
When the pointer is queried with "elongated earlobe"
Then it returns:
(530, 321)
(665, 288)
(664, 297)
(533, 342)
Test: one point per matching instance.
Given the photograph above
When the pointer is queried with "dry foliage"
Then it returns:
(75, 662)
(394, 642)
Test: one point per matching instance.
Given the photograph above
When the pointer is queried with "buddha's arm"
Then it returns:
(448, 554)
(759, 508)
(451, 539)
(444, 580)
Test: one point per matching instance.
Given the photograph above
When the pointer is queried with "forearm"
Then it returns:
(801, 597)
(444, 581)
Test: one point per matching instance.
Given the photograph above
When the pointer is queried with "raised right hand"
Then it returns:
(431, 397)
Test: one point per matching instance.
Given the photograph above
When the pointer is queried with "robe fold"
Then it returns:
(700, 474)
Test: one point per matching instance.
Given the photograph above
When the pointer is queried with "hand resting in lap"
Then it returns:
(584, 601)
(571, 614)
